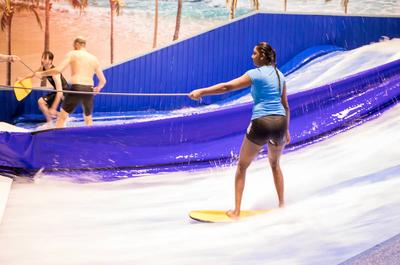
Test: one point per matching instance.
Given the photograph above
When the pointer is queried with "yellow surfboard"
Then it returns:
(21, 93)
(216, 216)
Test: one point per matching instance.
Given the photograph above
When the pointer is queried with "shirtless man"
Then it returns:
(83, 66)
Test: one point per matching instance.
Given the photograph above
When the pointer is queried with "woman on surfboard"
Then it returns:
(269, 121)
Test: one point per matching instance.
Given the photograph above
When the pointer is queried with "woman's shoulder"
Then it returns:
(255, 71)
(252, 70)
(261, 71)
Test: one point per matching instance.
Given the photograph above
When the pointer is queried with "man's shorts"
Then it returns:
(71, 101)
(49, 98)
(271, 128)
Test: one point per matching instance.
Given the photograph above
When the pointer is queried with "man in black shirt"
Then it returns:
(48, 103)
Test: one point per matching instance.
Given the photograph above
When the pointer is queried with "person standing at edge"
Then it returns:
(269, 121)
(83, 66)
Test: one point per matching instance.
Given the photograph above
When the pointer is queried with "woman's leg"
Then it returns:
(248, 152)
(274, 154)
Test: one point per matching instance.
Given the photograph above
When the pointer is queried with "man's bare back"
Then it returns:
(83, 66)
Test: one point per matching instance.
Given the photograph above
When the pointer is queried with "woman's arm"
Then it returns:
(285, 104)
(28, 76)
(221, 88)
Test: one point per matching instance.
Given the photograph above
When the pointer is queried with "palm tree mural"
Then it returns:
(285, 5)
(79, 4)
(232, 9)
(232, 4)
(8, 8)
(155, 24)
(116, 7)
(256, 4)
(47, 7)
(345, 4)
(178, 20)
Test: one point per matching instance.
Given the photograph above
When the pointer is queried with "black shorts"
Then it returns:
(71, 101)
(271, 128)
(49, 98)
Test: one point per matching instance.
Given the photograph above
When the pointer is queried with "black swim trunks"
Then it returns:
(271, 128)
(71, 101)
(49, 98)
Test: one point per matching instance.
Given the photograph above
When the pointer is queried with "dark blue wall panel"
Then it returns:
(218, 55)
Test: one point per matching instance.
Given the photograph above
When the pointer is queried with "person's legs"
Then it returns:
(62, 118)
(87, 105)
(274, 154)
(68, 106)
(88, 119)
(44, 109)
(248, 152)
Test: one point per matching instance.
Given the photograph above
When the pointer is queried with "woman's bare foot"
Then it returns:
(233, 214)
(281, 205)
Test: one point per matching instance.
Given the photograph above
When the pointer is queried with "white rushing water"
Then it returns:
(339, 65)
(342, 198)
